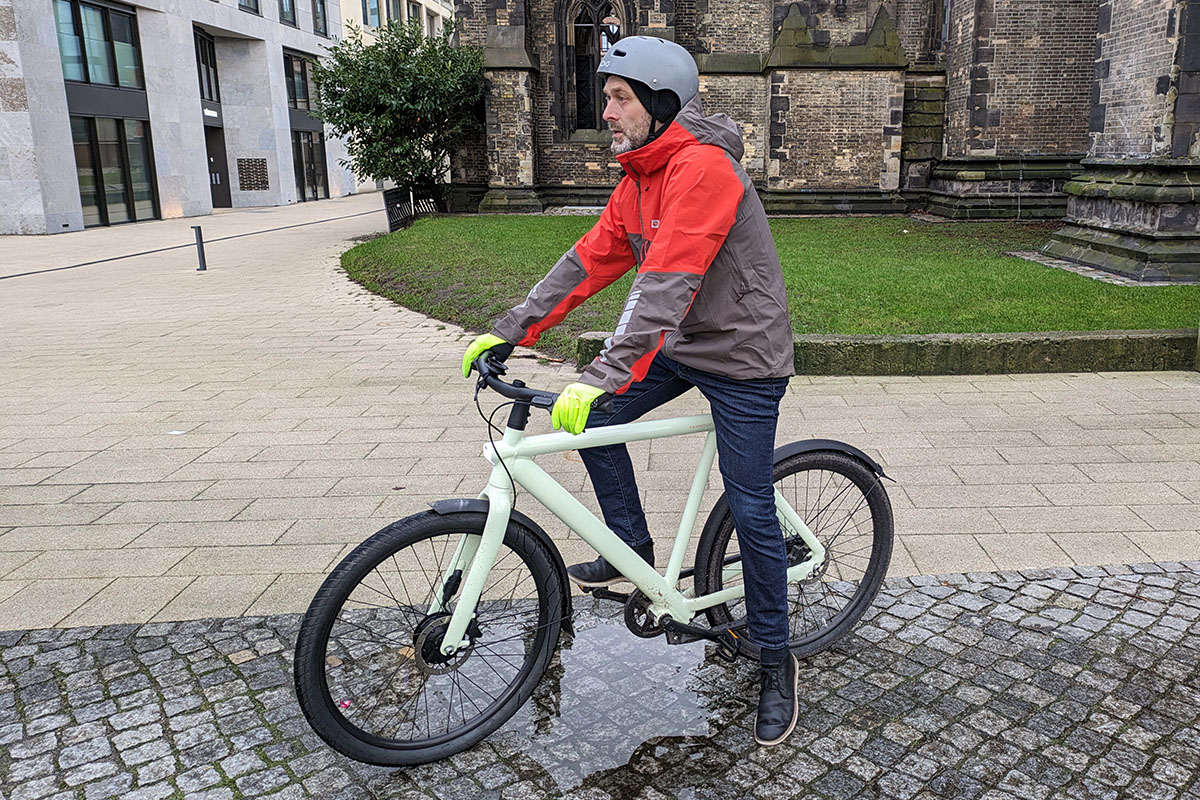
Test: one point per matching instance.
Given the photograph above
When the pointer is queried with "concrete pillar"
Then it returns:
(37, 162)
(176, 124)
(257, 129)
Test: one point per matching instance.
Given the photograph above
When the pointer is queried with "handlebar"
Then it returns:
(490, 371)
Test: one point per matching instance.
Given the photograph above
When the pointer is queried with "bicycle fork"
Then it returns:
(476, 554)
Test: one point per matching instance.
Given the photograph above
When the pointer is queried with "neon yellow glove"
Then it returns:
(480, 346)
(571, 409)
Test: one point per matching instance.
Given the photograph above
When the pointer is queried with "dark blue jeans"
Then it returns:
(744, 416)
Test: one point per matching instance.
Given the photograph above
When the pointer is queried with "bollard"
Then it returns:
(200, 249)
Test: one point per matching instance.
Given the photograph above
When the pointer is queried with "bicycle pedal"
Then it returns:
(676, 636)
(729, 646)
(604, 593)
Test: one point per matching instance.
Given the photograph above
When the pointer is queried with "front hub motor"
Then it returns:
(427, 645)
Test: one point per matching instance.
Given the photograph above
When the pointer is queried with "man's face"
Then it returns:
(628, 120)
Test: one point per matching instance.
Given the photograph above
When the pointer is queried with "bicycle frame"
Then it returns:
(476, 554)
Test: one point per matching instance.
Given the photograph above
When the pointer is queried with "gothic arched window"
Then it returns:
(591, 27)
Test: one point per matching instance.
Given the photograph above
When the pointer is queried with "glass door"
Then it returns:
(85, 168)
(308, 161)
(114, 166)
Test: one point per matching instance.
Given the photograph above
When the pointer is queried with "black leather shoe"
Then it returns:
(601, 573)
(778, 706)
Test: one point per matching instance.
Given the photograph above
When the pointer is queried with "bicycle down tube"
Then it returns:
(516, 453)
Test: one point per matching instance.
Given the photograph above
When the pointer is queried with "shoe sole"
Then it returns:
(795, 707)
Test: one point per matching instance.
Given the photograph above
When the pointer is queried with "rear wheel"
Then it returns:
(843, 503)
(369, 672)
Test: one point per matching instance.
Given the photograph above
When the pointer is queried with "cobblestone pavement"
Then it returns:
(1062, 683)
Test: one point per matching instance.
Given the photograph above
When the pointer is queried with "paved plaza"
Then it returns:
(1062, 684)
(184, 455)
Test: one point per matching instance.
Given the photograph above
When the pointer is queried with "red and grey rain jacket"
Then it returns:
(709, 291)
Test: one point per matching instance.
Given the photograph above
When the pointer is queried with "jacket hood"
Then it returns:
(690, 127)
(718, 129)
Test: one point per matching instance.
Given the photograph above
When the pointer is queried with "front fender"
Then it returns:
(480, 505)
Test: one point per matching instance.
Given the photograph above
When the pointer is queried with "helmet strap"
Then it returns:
(661, 105)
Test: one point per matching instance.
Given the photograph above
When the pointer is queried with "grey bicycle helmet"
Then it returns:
(666, 71)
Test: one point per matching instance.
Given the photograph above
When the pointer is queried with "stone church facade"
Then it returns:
(1083, 110)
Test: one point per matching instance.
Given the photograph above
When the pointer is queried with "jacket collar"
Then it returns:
(654, 156)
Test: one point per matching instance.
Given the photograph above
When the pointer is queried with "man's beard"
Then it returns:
(634, 136)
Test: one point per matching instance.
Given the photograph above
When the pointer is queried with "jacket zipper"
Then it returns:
(641, 222)
(637, 184)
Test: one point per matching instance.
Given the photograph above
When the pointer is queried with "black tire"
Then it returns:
(843, 502)
(366, 669)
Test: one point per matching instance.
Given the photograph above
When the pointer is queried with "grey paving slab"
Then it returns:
(204, 421)
(1056, 684)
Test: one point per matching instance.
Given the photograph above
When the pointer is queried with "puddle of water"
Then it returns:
(615, 712)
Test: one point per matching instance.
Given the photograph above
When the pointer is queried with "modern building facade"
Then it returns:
(371, 15)
(122, 112)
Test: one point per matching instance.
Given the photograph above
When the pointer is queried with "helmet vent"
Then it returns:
(618, 53)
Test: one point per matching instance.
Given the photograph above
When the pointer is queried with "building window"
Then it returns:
(320, 20)
(586, 32)
(287, 12)
(70, 47)
(431, 28)
(98, 44)
(395, 11)
(114, 165)
(125, 50)
(939, 28)
(414, 11)
(206, 67)
(297, 71)
(249, 5)
(370, 13)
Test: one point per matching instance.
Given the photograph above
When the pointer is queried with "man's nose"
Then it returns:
(610, 113)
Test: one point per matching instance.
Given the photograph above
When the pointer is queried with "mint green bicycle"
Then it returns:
(433, 632)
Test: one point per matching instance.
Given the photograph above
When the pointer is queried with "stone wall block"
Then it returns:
(1131, 118)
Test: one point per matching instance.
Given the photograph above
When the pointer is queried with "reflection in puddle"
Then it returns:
(615, 717)
(614, 711)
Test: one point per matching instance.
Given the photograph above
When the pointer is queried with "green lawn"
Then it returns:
(859, 275)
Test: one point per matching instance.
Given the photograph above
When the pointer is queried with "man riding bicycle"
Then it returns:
(708, 309)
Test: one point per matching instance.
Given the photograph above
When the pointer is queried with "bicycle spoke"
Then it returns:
(380, 682)
(833, 497)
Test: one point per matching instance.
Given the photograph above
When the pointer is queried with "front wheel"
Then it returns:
(843, 503)
(369, 672)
